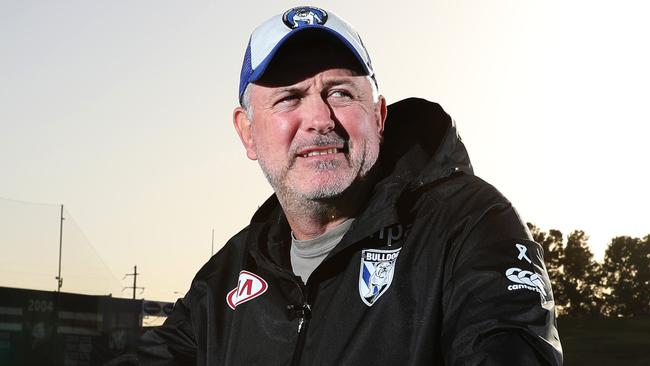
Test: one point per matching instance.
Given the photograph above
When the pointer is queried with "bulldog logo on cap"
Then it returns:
(304, 15)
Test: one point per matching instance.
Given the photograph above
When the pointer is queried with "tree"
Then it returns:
(627, 276)
(582, 277)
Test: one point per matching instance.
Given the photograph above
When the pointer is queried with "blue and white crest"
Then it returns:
(376, 274)
(304, 15)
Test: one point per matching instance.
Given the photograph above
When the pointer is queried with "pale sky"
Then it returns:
(121, 111)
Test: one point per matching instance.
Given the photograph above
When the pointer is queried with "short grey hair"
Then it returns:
(246, 97)
(246, 102)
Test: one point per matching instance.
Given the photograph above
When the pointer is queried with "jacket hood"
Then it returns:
(421, 145)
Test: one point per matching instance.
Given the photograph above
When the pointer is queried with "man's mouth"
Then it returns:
(311, 153)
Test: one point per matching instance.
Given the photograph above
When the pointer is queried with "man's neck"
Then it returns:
(312, 219)
(309, 219)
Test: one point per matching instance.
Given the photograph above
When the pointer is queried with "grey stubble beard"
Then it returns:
(326, 200)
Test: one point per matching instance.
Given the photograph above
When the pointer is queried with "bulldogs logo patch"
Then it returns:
(376, 273)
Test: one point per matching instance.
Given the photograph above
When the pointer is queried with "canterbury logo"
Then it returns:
(525, 280)
(249, 286)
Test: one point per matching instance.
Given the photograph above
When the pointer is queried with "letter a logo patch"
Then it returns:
(249, 286)
(376, 273)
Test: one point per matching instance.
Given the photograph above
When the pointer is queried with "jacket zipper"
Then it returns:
(304, 314)
(303, 311)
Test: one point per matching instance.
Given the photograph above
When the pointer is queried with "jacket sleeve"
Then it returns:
(172, 343)
(498, 305)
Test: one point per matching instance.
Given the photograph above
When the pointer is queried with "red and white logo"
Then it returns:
(249, 286)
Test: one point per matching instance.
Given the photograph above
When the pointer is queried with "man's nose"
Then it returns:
(318, 115)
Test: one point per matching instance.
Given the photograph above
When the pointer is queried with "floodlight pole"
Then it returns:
(59, 279)
(212, 252)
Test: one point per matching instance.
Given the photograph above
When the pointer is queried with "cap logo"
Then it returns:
(304, 15)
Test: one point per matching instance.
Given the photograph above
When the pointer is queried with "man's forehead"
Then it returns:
(328, 78)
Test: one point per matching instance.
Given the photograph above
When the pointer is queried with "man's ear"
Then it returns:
(244, 127)
(381, 111)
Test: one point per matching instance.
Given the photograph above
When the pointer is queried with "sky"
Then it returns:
(122, 112)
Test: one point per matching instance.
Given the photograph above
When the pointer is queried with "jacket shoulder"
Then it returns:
(472, 187)
(475, 214)
(464, 196)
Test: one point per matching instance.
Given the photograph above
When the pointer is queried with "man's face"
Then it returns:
(315, 126)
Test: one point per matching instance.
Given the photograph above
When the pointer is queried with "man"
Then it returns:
(379, 246)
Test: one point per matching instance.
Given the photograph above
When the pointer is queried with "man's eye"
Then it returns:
(340, 94)
(288, 99)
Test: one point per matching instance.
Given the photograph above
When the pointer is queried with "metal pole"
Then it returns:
(59, 278)
(135, 281)
(135, 278)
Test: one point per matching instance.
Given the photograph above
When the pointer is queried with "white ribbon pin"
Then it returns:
(522, 252)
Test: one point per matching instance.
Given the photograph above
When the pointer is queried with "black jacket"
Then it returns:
(437, 269)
